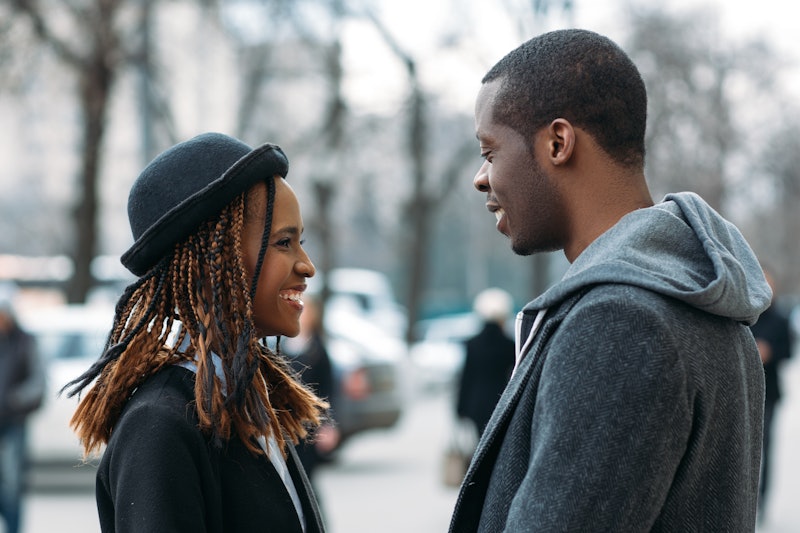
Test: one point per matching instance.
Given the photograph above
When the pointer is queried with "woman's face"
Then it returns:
(278, 303)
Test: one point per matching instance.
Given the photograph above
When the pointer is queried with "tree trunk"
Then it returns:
(324, 193)
(95, 88)
(418, 208)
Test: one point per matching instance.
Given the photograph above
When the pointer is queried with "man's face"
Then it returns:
(522, 195)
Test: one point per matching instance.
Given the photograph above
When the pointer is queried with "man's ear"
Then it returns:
(560, 141)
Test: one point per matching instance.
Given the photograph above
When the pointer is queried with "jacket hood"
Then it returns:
(680, 248)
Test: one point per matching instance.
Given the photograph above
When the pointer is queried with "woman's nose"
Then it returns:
(306, 267)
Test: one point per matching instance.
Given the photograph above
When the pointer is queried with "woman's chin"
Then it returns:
(281, 329)
(279, 332)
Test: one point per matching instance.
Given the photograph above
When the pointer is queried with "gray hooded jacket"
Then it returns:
(637, 405)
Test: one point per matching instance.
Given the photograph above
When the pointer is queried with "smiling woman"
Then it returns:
(189, 402)
(278, 299)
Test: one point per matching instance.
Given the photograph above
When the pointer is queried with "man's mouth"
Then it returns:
(500, 216)
(495, 208)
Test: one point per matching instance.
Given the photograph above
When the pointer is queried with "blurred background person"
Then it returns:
(22, 389)
(312, 362)
(773, 338)
(489, 359)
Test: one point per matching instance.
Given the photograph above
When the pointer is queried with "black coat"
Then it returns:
(22, 379)
(160, 473)
(488, 364)
(773, 328)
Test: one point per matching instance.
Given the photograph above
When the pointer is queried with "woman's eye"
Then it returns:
(284, 243)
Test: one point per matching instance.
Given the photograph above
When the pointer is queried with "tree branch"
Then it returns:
(32, 10)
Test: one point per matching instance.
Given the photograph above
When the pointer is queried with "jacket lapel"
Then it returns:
(306, 492)
(469, 506)
(524, 371)
(471, 498)
(508, 400)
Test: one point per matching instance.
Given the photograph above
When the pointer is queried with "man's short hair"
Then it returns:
(582, 77)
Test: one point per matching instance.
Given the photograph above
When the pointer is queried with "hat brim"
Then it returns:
(178, 223)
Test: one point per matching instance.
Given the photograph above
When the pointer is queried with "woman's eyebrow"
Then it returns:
(288, 230)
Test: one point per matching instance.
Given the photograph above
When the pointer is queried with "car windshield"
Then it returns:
(69, 345)
(451, 328)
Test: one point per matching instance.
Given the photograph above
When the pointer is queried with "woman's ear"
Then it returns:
(560, 141)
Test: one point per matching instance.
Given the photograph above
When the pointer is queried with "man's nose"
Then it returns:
(481, 179)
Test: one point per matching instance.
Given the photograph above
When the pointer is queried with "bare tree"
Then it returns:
(419, 207)
(326, 136)
(777, 223)
(94, 53)
(690, 71)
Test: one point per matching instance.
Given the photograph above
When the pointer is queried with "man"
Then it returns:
(22, 389)
(636, 402)
(774, 340)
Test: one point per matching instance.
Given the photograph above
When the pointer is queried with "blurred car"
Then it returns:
(438, 356)
(363, 293)
(68, 339)
(364, 327)
(368, 372)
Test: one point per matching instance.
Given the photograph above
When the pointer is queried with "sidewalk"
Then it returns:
(783, 497)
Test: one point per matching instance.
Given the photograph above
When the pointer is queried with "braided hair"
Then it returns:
(204, 286)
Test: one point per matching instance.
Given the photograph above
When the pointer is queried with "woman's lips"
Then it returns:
(292, 297)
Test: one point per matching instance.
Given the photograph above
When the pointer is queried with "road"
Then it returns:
(392, 478)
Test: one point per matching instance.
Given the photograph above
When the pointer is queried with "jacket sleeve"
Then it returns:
(156, 474)
(612, 420)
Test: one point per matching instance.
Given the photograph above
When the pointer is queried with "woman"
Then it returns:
(198, 416)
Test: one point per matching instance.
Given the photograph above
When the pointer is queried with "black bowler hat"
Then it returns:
(188, 184)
